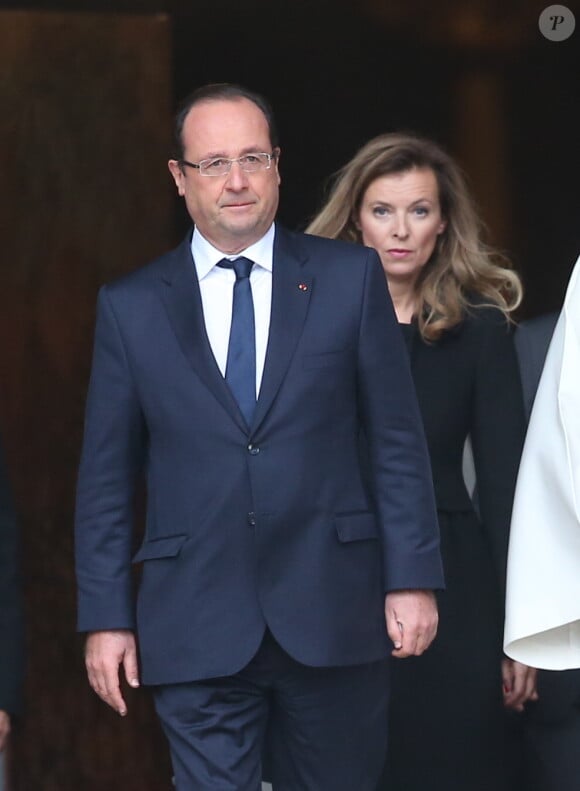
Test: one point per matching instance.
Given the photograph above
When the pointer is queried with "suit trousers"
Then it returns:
(327, 725)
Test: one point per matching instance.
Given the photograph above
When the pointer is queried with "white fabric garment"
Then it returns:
(542, 626)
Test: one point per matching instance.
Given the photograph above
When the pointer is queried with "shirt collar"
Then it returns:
(206, 256)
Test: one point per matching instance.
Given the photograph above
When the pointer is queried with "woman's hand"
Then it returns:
(519, 684)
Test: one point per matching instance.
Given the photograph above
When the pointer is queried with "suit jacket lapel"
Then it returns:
(182, 299)
(291, 290)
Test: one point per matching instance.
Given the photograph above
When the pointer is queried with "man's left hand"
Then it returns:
(412, 618)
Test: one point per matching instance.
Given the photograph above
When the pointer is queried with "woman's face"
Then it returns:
(400, 216)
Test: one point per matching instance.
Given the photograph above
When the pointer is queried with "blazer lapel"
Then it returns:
(182, 300)
(291, 290)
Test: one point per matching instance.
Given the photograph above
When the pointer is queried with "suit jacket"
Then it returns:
(11, 631)
(270, 525)
(542, 627)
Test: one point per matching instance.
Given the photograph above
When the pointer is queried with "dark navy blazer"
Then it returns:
(271, 525)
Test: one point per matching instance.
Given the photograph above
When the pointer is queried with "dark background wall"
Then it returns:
(341, 71)
(85, 195)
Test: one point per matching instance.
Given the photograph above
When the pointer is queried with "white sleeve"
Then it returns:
(542, 626)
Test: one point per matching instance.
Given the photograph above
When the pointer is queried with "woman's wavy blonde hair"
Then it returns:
(462, 272)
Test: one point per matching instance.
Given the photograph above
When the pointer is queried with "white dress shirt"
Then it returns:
(542, 626)
(217, 289)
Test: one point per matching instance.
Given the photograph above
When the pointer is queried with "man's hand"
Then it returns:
(4, 728)
(104, 652)
(519, 684)
(412, 618)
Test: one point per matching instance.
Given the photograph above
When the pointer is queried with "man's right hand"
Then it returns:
(412, 619)
(104, 653)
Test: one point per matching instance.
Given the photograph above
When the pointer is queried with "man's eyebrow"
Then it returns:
(247, 150)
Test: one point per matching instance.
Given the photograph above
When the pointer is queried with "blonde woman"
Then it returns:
(404, 196)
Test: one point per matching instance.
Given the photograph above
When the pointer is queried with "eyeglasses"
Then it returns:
(221, 166)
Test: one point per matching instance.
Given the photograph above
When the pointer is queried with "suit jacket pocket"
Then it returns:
(165, 547)
(325, 359)
(355, 527)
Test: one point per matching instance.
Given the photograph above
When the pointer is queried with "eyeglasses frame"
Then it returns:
(199, 165)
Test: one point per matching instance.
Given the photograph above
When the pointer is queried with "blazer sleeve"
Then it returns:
(400, 470)
(11, 619)
(498, 432)
(111, 461)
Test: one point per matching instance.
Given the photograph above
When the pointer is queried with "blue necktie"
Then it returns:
(241, 362)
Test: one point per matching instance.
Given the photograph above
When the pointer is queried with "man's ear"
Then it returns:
(276, 151)
(178, 175)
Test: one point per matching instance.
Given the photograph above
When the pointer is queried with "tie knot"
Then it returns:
(241, 266)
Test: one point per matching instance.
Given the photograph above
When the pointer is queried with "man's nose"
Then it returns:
(237, 178)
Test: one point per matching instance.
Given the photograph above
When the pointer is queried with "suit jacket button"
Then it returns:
(253, 450)
(252, 519)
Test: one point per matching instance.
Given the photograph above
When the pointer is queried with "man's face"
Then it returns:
(235, 210)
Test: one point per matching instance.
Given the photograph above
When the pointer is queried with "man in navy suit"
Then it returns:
(280, 567)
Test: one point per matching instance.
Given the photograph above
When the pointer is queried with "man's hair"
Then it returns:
(221, 91)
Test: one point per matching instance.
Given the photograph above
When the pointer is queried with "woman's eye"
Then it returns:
(380, 211)
(421, 211)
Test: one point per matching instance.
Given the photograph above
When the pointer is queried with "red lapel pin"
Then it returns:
(302, 286)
